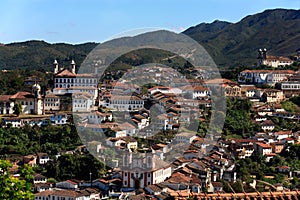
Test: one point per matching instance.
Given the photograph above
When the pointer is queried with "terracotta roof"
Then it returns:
(263, 145)
(22, 95)
(289, 132)
(4, 98)
(65, 73)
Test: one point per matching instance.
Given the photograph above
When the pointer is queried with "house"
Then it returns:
(125, 103)
(280, 135)
(141, 120)
(217, 187)
(122, 142)
(129, 128)
(59, 119)
(31, 103)
(154, 189)
(15, 122)
(42, 158)
(72, 184)
(263, 148)
(38, 178)
(272, 96)
(182, 181)
(185, 137)
(6, 105)
(267, 125)
(82, 102)
(51, 102)
(269, 77)
(197, 91)
(96, 117)
(248, 91)
(30, 160)
(277, 147)
(283, 169)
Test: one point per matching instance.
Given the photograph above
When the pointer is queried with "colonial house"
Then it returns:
(59, 119)
(42, 158)
(38, 178)
(68, 184)
(263, 148)
(272, 96)
(67, 81)
(269, 77)
(267, 125)
(6, 105)
(224, 86)
(125, 103)
(82, 102)
(31, 103)
(185, 137)
(15, 122)
(129, 128)
(66, 78)
(51, 102)
(148, 170)
(99, 117)
(197, 92)
(122, 142)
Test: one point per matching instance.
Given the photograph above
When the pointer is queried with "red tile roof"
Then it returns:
(22, 95)
(4, 98)
(65, 73)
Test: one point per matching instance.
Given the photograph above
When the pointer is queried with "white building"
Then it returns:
(136, 175)
(99, 117)
(125, 103)
(82, 102)
(273, 61)
(67, 81)
(59, 119)
(270, 77)
(51, 102)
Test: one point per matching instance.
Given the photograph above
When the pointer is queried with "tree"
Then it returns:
(14, 188)
(17, 108)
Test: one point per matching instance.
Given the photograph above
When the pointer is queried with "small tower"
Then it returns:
(55, 67)
(38, 103)
(261, 57)
(73, 67)
(264, 54)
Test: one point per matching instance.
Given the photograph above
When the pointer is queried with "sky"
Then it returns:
(79, 21)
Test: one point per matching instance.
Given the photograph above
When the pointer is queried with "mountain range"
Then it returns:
(229, 44)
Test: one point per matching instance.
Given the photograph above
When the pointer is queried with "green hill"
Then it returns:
(39, 55)
(232, 44)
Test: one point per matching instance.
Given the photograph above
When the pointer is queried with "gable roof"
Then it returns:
(65, 73)
(22, 95)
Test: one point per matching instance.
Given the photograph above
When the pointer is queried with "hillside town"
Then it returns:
(147, 133)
